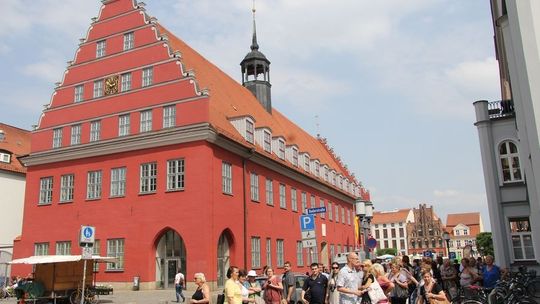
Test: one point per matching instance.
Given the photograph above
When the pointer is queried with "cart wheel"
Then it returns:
(75, 297)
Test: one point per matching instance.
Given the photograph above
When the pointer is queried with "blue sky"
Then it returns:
(389, 83)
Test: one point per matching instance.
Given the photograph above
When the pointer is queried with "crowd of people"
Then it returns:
(357, 282)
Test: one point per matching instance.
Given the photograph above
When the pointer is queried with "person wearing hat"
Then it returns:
(253, 287)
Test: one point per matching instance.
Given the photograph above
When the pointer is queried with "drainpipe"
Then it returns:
(244, 177)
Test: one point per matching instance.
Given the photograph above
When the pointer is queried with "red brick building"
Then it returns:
(175, 163)
(425, 233)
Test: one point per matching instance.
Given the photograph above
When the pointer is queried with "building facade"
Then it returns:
(463, 229)
(14, 143)
(175, 164)
(389, 228)
(509, 135)
(425, 232)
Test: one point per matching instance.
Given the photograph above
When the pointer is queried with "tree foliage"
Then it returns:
(392, 251)
(484, 243)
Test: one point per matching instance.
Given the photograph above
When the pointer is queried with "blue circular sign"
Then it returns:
(88, 232)
(371, 243)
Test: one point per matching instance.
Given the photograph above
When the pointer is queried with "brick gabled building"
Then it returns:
(425, 233)
(175, 163)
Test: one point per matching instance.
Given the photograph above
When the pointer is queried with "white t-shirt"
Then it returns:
(179, 279)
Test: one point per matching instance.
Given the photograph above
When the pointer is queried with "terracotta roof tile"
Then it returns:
(395, 216)
(17, 143)
(229, 99)
(468, 219)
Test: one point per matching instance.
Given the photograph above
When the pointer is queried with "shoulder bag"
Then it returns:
(375, 292)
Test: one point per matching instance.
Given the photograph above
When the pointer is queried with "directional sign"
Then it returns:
(310, 234)
(307, 222)
(309, 243)
(87, 253)
(316, 210)
(88, 234)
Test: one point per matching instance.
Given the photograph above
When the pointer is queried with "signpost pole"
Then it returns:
(84, 277)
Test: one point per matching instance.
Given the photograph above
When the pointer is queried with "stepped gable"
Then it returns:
(16, 142)
(229, 99)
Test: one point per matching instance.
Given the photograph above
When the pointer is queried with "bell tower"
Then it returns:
(256, 72)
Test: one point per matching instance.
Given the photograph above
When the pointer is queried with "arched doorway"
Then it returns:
(170, 257)
(225, 244)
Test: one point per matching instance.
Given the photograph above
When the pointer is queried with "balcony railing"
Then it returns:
(501, 108)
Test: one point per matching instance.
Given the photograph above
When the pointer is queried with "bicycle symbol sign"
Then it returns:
(87, 235)
(88, 232)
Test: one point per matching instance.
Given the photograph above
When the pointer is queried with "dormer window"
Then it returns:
(249, 131)
(281, 148)
(306, 162)
(325, 172)
(5, 157)
(295, 156)
(317, 168)
(267, 141)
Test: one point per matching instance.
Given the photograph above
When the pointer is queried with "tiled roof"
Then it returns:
(16, 142)
(229, 99)
(394, 216)
(468, 219)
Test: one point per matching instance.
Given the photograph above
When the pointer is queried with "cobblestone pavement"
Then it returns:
(133, 297)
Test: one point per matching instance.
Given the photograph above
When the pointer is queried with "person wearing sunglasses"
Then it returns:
(332, 295)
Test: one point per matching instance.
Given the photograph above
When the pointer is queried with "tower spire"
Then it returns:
(254, 44)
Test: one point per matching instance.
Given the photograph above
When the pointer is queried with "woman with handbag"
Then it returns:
(380, 277)
(272, 288)
(400, 278)
(431, 292)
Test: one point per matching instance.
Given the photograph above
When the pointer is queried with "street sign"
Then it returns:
(310, 234)
(309, 243)
(87, 235)
(307, 222)
(427, 254)
(452, 255)
(371, 243)
(316, 210)
(87, 253)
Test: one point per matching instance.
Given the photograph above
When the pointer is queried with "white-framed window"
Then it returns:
(313, 203)
(148, 178)
(343, 216)
(45, 190)
(67, 183)
(95, 130)
(5, 157)
(75, 134)
(147, 76)
(299, 254)
(250, 131)
(317, 169)
(101, 48)
(125, 82)
(509, 158)
(280, 259)
(304, 202)
(79, 93)
(93, 185)
(63, 248)
(115, 248)
(169, 116)
(295, 156)
(330, 213)
(332, 251)
(175, 174)
(226, 177)
(129, 41)
(57, 138)
(98, 88)
(41, 249)
(322, 205)
(267, 141)
(282, 196)
(123, 125)
(337, 213)
(96, 251)
(325, 172)
(348, 217)
(254, 182)
(255, 252)
(294, 200)
(118, 182)
(146, 121)
(522, 239)
(306, 162)
(269, 192)
(268, 251)
(281, 148)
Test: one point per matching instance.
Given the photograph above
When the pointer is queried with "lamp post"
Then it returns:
(364, 210)
(446, 237)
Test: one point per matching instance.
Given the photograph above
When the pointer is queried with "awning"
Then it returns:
(46, 259)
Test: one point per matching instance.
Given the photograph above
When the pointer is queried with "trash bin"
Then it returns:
(136, 282)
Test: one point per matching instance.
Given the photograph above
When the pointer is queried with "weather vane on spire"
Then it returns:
(254, 44)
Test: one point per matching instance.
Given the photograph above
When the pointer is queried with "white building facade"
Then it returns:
(389, 228)
(509, 133)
